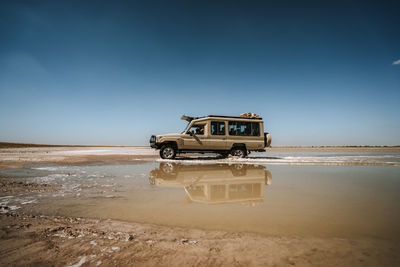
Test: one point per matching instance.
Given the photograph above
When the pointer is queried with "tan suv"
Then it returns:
(215, 134)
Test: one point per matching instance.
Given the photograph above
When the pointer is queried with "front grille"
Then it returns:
(153, 139)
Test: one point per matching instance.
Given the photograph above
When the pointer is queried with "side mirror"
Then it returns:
(190, 133)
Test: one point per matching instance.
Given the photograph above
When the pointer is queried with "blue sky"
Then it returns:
(115, 72)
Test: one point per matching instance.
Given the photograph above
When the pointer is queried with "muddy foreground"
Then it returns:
(60, 241)
(39, 240)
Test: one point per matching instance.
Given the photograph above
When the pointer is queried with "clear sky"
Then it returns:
(115, 72)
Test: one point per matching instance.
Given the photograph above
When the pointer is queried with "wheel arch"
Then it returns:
(174, 144)
(241, 145)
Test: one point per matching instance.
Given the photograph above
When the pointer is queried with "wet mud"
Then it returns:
(136, 210)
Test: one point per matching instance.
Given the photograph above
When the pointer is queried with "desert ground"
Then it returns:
(28, 238)
(17, 155)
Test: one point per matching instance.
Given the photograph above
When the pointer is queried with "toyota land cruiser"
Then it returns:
(215, 134)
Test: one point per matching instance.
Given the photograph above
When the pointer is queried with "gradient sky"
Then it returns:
(115, 72)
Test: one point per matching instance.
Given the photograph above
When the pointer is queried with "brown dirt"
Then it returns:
(15, 188)
(24, 145)
(28, 239)
(60, 241)
(76, 160)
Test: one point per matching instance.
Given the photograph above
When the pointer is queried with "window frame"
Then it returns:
(218, 122)
(197, 124)
(240, 124)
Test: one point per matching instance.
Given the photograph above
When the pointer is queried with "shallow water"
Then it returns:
(309, 158)
(310, 200)
(329, 157)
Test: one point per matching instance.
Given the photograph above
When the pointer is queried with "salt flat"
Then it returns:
(125, 205)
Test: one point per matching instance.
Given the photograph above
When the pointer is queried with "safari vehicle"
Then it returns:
(215, 134)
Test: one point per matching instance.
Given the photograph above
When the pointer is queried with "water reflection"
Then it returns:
(214, 183)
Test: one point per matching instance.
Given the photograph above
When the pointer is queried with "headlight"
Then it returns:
(158, 138)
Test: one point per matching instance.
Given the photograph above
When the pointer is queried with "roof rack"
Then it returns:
(243, 116)
(235, 117)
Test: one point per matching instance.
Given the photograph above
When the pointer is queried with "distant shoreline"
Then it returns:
(24, 145)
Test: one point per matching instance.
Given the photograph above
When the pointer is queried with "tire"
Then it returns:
(238, 169)
(239, 152)
(167, 152)
(167, 167)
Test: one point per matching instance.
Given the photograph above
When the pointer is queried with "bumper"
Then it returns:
(155, 145)
(153, 142)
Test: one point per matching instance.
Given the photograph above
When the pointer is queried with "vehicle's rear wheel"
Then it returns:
(239, 152)
(167, 152)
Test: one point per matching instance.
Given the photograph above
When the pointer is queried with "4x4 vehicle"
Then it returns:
(215, 134)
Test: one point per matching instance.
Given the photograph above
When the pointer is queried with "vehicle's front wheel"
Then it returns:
(167, 152)
(239, 152)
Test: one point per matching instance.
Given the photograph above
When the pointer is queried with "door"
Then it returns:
(194, 137)
(216, 138)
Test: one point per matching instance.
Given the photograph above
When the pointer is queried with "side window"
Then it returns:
(197, 129)
(244, 128)
(217, 128)
(255, 129)
(234, 127)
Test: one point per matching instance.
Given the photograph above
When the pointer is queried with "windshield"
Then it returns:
(185, 128)
(197, 129)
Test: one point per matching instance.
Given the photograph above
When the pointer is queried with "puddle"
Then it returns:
(335, 201)
(302, 158)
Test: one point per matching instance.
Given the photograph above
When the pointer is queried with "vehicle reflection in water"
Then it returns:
(215, 183)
